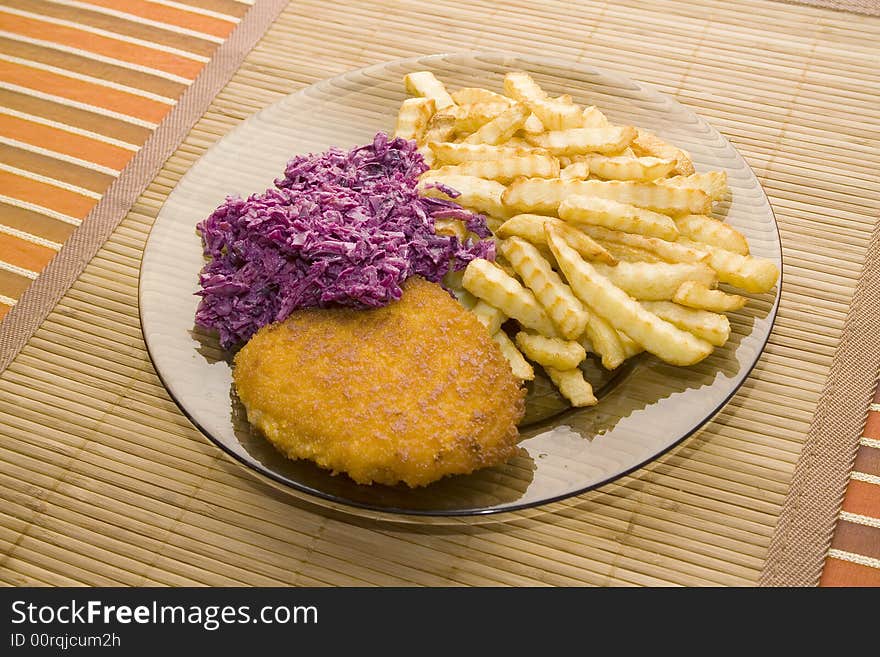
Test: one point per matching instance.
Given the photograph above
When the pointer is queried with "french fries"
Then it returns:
(426, 85)
(714, 328)
(657, 336)
(505, 170)
(474, 193)
(573, 386)
(647, 143)
(474, 95)
(656, 281)
(550, 352)
(696, 295)
(604, 240)
(520, 366)
(700, 228)
(502, 127)
(530, 227)
(605, 341)
(619, 216)
(577, 141)
(456, 153)
(713, 183)
(560, 303)
(413, 118)
(622, 167)
(552, 113)
(490, 283)
(489, 316)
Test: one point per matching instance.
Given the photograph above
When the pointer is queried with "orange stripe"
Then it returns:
(49, 196)
(22, 253)
(83, 92)
(61, 141)
(127, 52)
(862, 498)
(3, 310)
(872, 426)
(170, 16)
(838, 572)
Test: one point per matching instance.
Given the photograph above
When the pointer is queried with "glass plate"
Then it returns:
(645, 408)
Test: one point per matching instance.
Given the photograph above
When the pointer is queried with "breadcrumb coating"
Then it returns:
(409, 392)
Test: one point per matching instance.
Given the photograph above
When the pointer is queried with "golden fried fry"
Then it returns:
(490, 283)
(453, 227)
(472, 95)
(627, 253)
(559, 302)
(572, 386)
(707, 230)
(647, 143)
(592, 117)
(624, 313)
(618, 216)
(620, 167)
(576, 141)
(475, 193)
(469, 118)
(756, 275)
(530, 227)
(505, 170)
(550, 352)
(696, 295)
(667, 251)
(441, 128)
(452, 153)
(713, 183)
(426, 85)
(551, 113)
(576, 171)
(413, 118)
(630, 347)
(489, 316)
(656, 281)
(649, 195)
(714, 328)
(604, 340)
(518, 363)
(502, 127)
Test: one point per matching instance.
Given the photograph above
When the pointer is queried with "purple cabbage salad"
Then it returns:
(341, 228)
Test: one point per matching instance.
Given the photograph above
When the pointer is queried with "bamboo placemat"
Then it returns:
(105, 482)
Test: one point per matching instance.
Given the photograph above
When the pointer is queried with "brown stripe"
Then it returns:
(117, 25)
(872, 426)
(52, 168)
(73, 117)
(860, 539)
(41, 296)
(34, 223)
(86, 66)
(877, 394)
(4, 309)
(803, 533)
(228, 7)
(13, 285)
(861, 498)
(845, 573)
(868, 462)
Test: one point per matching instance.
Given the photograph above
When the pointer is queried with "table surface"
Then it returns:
(105, 482)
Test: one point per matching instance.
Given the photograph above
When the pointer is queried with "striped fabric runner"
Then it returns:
(854, 557)
(82, 86)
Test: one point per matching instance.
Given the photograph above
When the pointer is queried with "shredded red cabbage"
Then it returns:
(341, 228)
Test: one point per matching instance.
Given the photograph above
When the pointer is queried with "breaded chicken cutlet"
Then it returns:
(409, 392)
